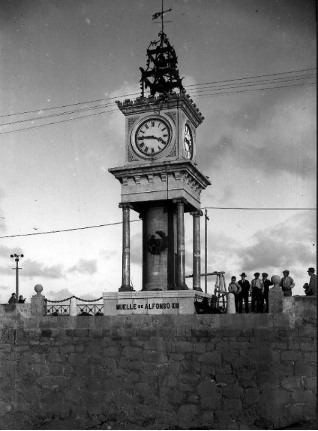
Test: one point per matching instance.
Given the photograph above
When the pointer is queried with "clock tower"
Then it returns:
(159, 179)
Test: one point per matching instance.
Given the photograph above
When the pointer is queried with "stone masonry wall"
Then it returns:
(255, 371)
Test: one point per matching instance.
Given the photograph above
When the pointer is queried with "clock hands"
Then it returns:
(141, 138)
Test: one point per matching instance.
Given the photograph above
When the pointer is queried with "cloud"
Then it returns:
(283, 246)
(6, 251)
(136, 249)
(58, 295)
(33, 269)
(275, 134)
(85, 266)
(108, 254)
(2, 218)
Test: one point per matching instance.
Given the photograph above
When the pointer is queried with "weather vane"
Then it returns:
(158, 14)
(161, 75)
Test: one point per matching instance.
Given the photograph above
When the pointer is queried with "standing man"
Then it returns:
(257, 288)
(311, 289)
(245, 289)
(266, 284)
(287, 283)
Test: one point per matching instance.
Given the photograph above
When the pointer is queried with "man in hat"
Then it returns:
(245, 288)
(287, 283)
(257, 288)
(266, 284)
(311, 288)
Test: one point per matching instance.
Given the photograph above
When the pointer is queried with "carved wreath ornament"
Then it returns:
(157, 245)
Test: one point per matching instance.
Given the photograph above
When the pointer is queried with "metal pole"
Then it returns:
(206, 251)
(16, 258)
(17, 280)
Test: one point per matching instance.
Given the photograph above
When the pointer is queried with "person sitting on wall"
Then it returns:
(245, 288)
(266, 284)
(21, 300)
(311, 288)
(257, 289)
(13, 299)
(287, 283)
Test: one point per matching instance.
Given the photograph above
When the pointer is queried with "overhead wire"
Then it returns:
(134, 94)
(194, 89)
(255, 83)
(66, 230)
(57, 122)
(261, 209)
(66, 106)
(250, 90)
(115, 110)
(255, 76)
(113, 104)
(133, 221)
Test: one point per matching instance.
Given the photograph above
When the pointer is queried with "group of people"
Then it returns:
(13, 299)
(240, 291)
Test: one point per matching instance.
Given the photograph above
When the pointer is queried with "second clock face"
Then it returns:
(188, 142)
(152, 136)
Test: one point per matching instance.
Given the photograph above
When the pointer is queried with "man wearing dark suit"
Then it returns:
(245, 288)
(266, 284)
(311, 288)
(256, 288)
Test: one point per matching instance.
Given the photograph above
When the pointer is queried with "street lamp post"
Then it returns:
(16, 258)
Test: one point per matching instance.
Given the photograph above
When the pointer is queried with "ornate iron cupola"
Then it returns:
(161, 75)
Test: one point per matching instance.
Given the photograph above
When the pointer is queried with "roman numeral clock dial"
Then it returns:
(152, 137)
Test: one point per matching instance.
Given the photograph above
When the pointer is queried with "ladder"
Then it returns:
(220, 291)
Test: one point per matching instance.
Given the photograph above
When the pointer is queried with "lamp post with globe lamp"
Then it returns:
(16, 258)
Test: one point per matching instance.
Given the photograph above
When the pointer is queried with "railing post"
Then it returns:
(73, 306)
(275, 296)
(38, 302)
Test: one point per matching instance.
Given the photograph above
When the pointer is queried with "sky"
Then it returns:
(61, 60)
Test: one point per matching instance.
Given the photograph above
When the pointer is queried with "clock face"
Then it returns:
(152, 136)
(188, 142)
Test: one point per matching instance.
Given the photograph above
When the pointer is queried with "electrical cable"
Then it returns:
(254, 89)
(113, 104)
(261, 209)
(256, 83)
(67, 230)
(191, 85)
(133, 221)
(67, 106)
(75, 111)
(57, 122)
(256, 76)
(115, 110)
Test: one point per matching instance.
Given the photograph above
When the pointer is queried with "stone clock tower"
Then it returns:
(159, 179)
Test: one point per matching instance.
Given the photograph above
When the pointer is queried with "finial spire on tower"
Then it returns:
(161, 75)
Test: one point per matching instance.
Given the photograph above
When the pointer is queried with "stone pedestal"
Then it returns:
(73, 307)
(275, 296)
(38, 302)
(150, 302)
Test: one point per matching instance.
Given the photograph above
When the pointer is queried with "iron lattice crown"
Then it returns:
(162, 74)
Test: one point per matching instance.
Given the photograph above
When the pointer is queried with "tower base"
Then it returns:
(151, 302)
